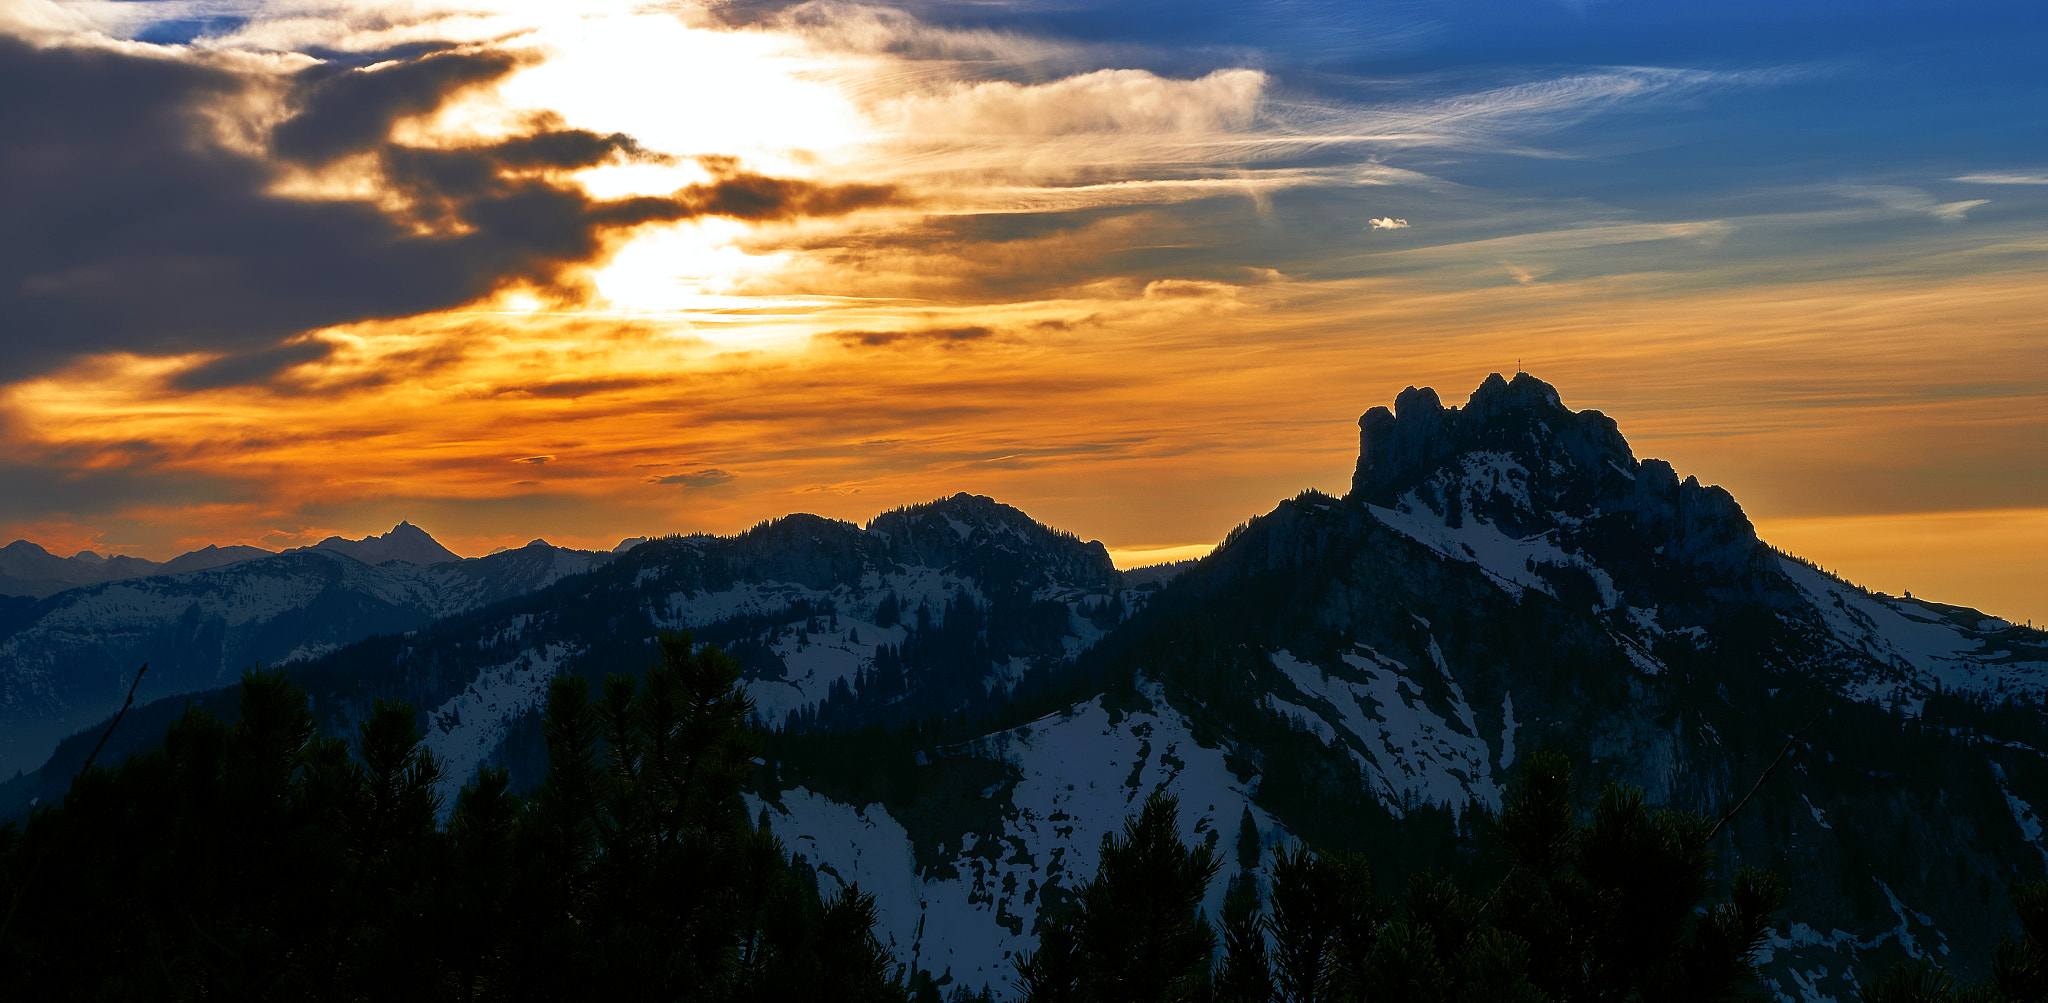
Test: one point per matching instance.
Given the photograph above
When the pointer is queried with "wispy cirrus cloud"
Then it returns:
(1901, 198)
(2004, 178)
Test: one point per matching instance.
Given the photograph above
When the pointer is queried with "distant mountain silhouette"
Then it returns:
(406, 542)
(28, 570)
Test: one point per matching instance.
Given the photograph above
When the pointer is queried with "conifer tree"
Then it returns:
(1136, 932)
(1244, 975)
(264, 860)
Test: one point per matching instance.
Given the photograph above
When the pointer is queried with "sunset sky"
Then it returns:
(274, 271)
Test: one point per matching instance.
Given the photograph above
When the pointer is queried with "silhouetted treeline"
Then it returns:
(262, 861)
(1614, 909)
(1620, 908)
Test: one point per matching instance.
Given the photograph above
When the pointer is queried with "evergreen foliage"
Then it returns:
(262, 861)
(2019, 971)
(1611, 909)
(1135, 933)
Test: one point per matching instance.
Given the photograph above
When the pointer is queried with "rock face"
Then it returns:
(969, 700)
(1516, 473)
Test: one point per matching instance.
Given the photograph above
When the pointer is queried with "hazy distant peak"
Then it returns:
(212, 556)
(89, 557)
(628, 544)
(406, 542)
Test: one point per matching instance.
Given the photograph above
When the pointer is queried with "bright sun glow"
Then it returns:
(687, 91)
(675, 268)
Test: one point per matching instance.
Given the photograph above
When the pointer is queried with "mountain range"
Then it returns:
(67, 659)
(960, 702)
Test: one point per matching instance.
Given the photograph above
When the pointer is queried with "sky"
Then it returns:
(517, 269)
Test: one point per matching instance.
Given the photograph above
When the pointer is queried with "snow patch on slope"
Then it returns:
(1378, 710)
(464, 732)
(1511, 562)
(1077, 776)
(2023, 814)
(1899, 634)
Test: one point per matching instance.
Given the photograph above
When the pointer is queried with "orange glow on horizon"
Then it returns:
(1153, 422)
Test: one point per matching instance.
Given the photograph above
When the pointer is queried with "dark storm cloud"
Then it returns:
(250, 367)
(344, 110)
(127, 230)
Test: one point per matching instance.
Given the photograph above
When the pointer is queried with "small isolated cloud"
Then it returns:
(536, 460)
(938, 336)
(1902, 199)
(2003, 178)
(1388, 223)
(706, 478)
(1187, 289)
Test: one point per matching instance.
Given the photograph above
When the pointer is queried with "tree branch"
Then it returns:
(1789, 743)
(36, 860)
(116, 722)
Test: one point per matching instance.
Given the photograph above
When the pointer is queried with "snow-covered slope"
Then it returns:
(948, 608)
(1916, 646)
(1541, 497)
(67, 660)
(966, 905)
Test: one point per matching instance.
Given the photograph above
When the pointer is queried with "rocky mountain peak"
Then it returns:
(406, 542)
(1516, 470)
(967, 532)
(1401, 448)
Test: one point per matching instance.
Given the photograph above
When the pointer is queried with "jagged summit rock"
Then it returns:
(1400, 448)
(1538, 493)
(406, 542)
